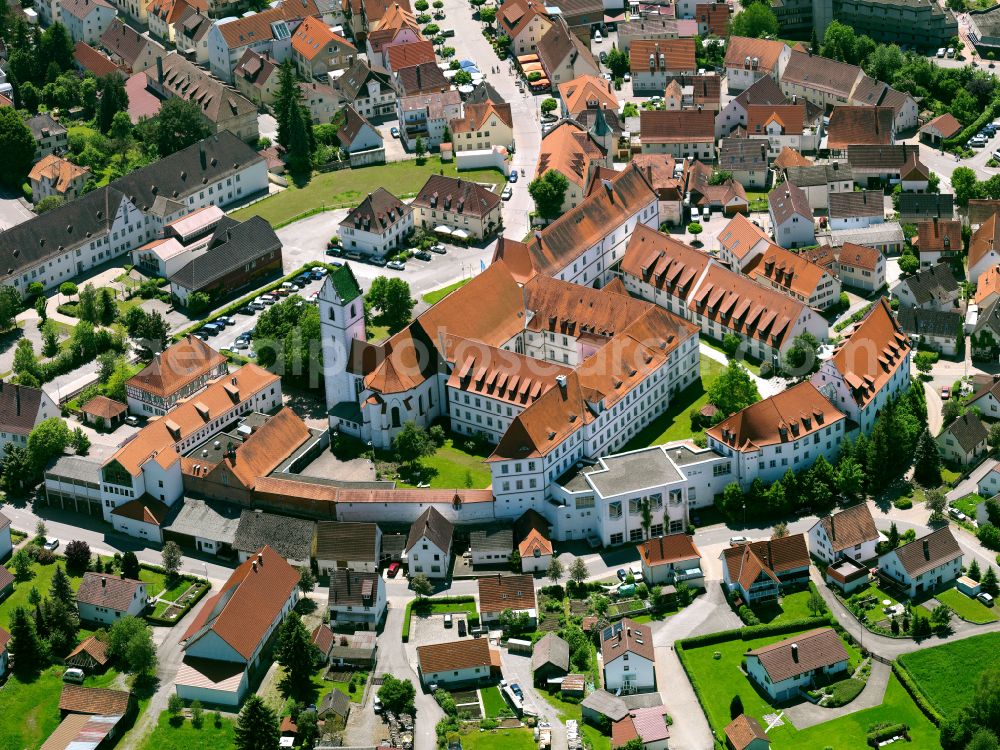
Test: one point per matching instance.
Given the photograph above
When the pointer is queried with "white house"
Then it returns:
(21, 410)
(964, 440)
(356, 599)
(428, 546)
(224, 644)
(628, 657)
(748, 60)
(357, 133)
(785, 668)
(984, 248)
(466, 662)
(989, 484)
(856, 210)
(760, 571)
(178, 372)
(499, 592)
(87, 20)
(491, 546)
(105, 599)
(791, 216)
(820, 181)
(924, 564)
(671, 559)
(348, 546)
(378, 225)
(848, 533)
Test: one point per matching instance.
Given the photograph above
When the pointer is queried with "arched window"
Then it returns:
(333, 312)
(354, 309)
(395, 416)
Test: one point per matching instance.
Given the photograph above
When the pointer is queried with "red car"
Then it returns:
(393, 570)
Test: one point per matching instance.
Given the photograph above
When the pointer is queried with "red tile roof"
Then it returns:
(672, 55)
(626, 636)
(499, 592)
(668, 549)
(101, 590)
(801, 653)
(76, 699)
(448, 657)
(871, 352)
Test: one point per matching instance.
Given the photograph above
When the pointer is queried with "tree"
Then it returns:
(555, 571)
(735, 707)
(68, 289)
(634, 744)
(397, 695)
(298, 156)
(130, 642)
(80, 442)
(925, 361)
(171, 559)
(46, 441)
(419, 148)
(175, 704)
(57, 47)
(815, 604)
(18, 147)
(307, 581)
(965, 184)
(393, 301)
(295, 653)
(927, 461)
(412, 443)
(130, 566)
(802, 357)
(936, 503)
(989, 582)
(25, 645)
(78, 555)
(549, 193)
(618, 63)
(257, 726)
(892, 539)
(780, 529)
(514, 623)
(421, 585)
(940, 619)
(87, 308)
(287, 338)
(26, 365)
(178, 125)
(839, 42)
(549, 105)
(755, 21)
(733, 390)
(487, 15)
(731, 344)
(112, 99)
(983, 739)
(951, 411)
(974, 572)
(994, 436)
(908, 263)
(695, 228)
(850, 478)
(578, 571)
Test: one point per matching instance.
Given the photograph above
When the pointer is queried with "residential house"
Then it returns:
(163, 16)
(351, 546)
(653, 62)
(748, 60)
(876, 165)
(791, 216)
(848, 533)
(426, 116)
(693, 92)
(105, 599)
(179, 371)
(682, 134)
(665, 176)
(934, 329)
(746, 160)
(86, 20)
(398, 26)
(963, 441)
(940, 129)
(408, 55)
(820, 80)
(500, 592)
(984, 248)
(428, 546)
(483, 126)
(820, 181)
(988, 287)
(256, 77)
(917, 207)
(563, 55)
(933, 288)
(356, 600)
(491, 546)
(923, 565)
(713, 19)
(745, 733)
(856, 266)
(764, 92)
(191, 35)
(525, 23)
(782, 126)
(887, 238)
(321, 103)
(650, 725)
(534, 545)
(378, 225)
(291, 538)
(856, 210)
(334, 708)
(980, 209)
(460, 208)
(574, 152)
(986, 333)
(56, 176)
(50, 136)
(760, 571)
(859, 126)
(741, 242)
(317, 49)
(586, 92)
(6, 544)
(357, 134)
(370, 93)
(549, 659)
(872, 93)
(668, 560)
(455, 664)
(914, 177)
(796, 276)
(224, 643)
(628, 658)
(789, 157)
(128, 48)
(89, 60)
(651, 24)
(784, 669)
(938, 240)
(21, 410)
(869, 368)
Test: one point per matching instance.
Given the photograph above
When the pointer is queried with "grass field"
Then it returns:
(348, 186)
(436, 296)
(186, 737)
(674, 423)
(493, 702)
(947, 688)
(968, 504)
(452, 466)
(41, 579)
(500, 739)
(966, 607)
(792, 607)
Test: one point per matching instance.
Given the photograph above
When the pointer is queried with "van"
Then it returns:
(132, 421)
(73, 675)
(448, 620)
(985, 598)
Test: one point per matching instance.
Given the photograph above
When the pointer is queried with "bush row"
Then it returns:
(911, 686)
(203, 589)
(885, 732)
(970, 130)
(750, 632)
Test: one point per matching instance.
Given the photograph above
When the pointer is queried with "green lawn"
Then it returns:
(347, 187)
(493, 702)
(948, 476)
(946, 687)
(567, 711)
(874, 611)
(436, 296)
(968, 504)
(451, 466)
(41, 578)
(674, 423)
(966, 607)
(186, 737)
(499, 739)
(791, 607)
(31, 709)
(719, 680)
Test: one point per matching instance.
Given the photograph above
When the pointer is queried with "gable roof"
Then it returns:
(571, 150)
(176, 366)
(491, 540)
(766, 52)
(849, 528)
(985, 239)
(500, 592)
(764, 90)
(93, 647)
(945, 124)
(101, 590)
(939, 235)
(585, 92)
(988, 284)
(789, 117)
(936, 283)
(255, 28)
(857, 204)
(743, 730)
(354, 123)
(183, 79)
(801, 653)
(821, 73)
(550, 649)
(853, 126)
(968, 430)
(248, 604)
(477, 116)
(792, 272)
(263, 451)
(313, 36)
(927, 552)
(785, 201)
(92, 61)
(676, 126)
(626, 636)
(453, 656)
(350, 588)
(77, 699)
(401, 56)
(741, 235)
(917, 206)
(871, 352)
(671, 548)
(890, 158)
(464, 196)
(559, 45)
(341, 540)
(353, 84)
(123, 41)
(434, 527)
(19, 407)
(649, 725)
(789, 157)
(653, 55)
(740, 154)
(290, 537)
(377, 212)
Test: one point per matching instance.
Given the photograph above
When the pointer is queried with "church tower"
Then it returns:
(342, 319)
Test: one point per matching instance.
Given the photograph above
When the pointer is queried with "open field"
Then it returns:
(947, 687)
(187, 737)
(966, 607)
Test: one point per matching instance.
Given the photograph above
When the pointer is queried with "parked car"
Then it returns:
(377, 705)
(737, 540)
(516, 690)
(422, 255)
(334, 251)
(132, 421)
(392, 570)
(52, 545)
(603, 57)
(461, 629)
(377, 260)
(448, 620)
(439, 249)
(268, 299)
(985, 598)
(622, 575)
(940, 52)
(598, 37)
(513, 176)
(507, 193)
(394, 131)
(950, 52)
(241, 344)
(945, 391)
(246, 310)
(396, 265)
(957, 514)
(73, 675)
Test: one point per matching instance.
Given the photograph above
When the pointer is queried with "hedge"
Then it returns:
(911, 687)
(750, 632)
(419, 602)
(970, 130)
(203, 588)
(892, 730)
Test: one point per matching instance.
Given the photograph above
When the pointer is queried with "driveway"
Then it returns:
(970, 484)
(517, 668)
(805, 715)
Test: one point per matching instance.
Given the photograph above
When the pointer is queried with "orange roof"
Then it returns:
(93, 647)
(175, 367)
(157, 439)
(242, 613)
(859, 256)
(447, 657)
(397, 17)
(500, 592)
(499, 373)
(789, 415)
(570, 150)
(58, 171)
(985, 239)
(743, 730)
(945, 124)
(741, 235)
(515, 15)
(104, 407)
(746, 562)
(170, 11)
(766, 51)
(476, 117)
(988, 284)
(410, 54)
(313, 36)
(860, 126)
(716, 16)
(587, 92)
(871, 352)
(676, 126)
(145, 509)
(673, 55)
(668, 549)
(257, 27)
(789, 157)
(77, 699)
(791, 118)
(939, 235)
(662, 261)
(787, 270)
(534, 542)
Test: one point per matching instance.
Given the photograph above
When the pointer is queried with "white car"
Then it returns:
(735, 541)
(507, 193)
(598, 37)
(940, 52)
(950, 52)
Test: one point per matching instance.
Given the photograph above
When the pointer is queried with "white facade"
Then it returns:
(820, 546)
(222, 59)
(135, 528)
(6, 545)
(107, 616)
(947, 571)
(46, 408)
(92, 25)
(743, 76)
(359, 616)
(830, 382)
(425, 557)
(796, 230)
(789, 688)
(629, 672)
(464, 676)
(377, 243)
(855, 222)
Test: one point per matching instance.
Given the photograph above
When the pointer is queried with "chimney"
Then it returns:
(104, 581)
(833, 529)
(927, 550)
(561, 382)
(795, 653)
(260, 559)
(253, 566)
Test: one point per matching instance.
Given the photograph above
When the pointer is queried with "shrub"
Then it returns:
(911, 686)
(903, 503)
(884, 731)
(766, 370)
